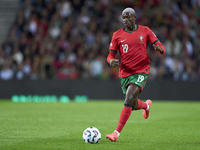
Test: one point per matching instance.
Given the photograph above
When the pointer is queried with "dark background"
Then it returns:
(96, 89)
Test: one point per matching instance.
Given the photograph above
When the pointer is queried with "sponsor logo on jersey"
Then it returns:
(123, 40)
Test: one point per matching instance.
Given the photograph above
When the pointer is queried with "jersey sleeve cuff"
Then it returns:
(155, 41)
(111, 50)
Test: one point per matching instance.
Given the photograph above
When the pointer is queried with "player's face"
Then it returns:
(128, 19)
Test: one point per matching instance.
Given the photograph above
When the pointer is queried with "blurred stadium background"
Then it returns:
(60, 47)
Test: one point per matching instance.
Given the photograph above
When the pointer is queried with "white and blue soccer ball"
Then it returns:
(91, 135)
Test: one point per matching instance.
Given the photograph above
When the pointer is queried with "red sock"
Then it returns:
(125, 114)
(141, 105)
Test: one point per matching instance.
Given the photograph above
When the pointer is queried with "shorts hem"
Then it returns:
(141, 89)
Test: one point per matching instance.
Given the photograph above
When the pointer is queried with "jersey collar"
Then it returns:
(132, 31)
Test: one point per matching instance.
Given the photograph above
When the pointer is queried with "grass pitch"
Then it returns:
(59, 126)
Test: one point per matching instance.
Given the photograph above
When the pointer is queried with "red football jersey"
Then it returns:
(132, 47)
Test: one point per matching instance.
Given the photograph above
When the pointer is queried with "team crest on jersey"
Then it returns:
(141, 39)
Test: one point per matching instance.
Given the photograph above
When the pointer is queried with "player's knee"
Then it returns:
(134, 106)
(129, 99)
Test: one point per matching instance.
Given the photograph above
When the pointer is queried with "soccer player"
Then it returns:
(131, 41)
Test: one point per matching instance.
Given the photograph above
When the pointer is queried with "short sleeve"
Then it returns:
(151, 36)
(114, 44)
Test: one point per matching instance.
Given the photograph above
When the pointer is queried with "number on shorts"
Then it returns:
(140, 79)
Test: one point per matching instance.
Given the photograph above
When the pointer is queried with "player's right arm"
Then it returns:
(112, 52)
(111, 59)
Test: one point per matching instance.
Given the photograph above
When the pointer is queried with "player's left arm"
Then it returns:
(157, 45)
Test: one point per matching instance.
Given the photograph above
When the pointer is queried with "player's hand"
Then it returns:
(114, 62)
(158, 48)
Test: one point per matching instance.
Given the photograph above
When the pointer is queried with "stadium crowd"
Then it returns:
(69, 39)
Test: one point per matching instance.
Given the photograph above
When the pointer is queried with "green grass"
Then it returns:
(59, 126)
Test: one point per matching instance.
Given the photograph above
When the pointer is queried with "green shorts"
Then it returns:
(138, 80)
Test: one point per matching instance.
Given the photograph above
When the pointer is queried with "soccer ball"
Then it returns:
(91, 135)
